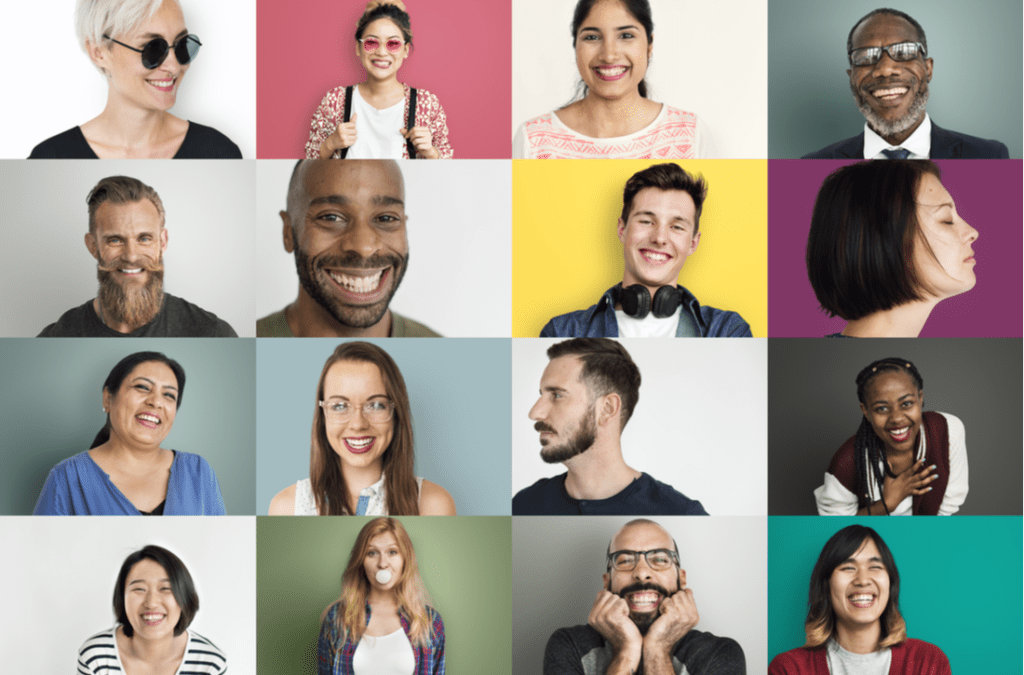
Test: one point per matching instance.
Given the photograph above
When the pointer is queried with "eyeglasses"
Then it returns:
(393, 45)
(155, 51)
(658, 559)
(376, 411)
(901, 51)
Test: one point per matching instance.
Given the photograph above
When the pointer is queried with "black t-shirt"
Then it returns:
(177, 318)
(200, 143)
(643, 497)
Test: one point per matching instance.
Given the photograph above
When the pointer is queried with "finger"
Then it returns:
(354, 117)
(921, 491)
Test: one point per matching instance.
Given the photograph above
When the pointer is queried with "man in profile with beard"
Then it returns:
(587, 395)
(889, 75)
(644, 619)
(345, 223)
(127, 238)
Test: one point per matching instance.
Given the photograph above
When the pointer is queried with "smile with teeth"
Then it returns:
(358, 284)
(163, 85)
(655, 257)
(644, 601)
(893, 92)
(151, 421)
(610, 72)
(863, 600)
(381, 64)
(130, 270)
(900, 434)
(359, 445)
(153, 619)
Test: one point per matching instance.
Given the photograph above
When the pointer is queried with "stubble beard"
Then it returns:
(127, 302)
(580, 441)
(318, 285)
(888, 128)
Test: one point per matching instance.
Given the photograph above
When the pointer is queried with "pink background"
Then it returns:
(462, 52)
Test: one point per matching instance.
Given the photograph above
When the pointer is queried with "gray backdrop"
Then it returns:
(975, 88)
(51, 408)
(813, 409)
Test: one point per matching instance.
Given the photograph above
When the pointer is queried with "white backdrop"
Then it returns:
(700, 426)
(460, 232)
(709, 58)
(50, 85)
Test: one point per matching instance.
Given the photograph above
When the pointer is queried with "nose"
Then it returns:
(358, 419)
(642, 571)
(659, 234)
(609, 50)
(972, 234)
(362, 238)
(886, 66)
(538, 411)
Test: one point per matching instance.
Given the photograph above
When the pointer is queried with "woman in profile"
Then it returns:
(613, 118)
(853, 622)
(886, 245)
(154, 602)
(361, 454)
(383, 622)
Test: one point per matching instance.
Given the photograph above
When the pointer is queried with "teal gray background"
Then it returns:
(460, 393)
(465, 563)
(51, 408)
(975, 89)
(960, 583)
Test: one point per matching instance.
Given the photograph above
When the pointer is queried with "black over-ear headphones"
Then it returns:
(636, 300)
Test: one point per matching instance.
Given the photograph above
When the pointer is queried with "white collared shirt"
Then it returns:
(919, 144)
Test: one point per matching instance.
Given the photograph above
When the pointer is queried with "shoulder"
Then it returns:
(273, 325)
(335, 98)
(665, 499)
(435, 619)
(435, 500)
(852, 147)
(330, 615)
(203, 142)
(921, 654)
(794, 662)
(204, 656)
(70, 144)
(402, 326)
(536, 499)
(70, 323)
(724, 323)
(570, 324)
(98, 652)
(423, 97)
(952, 422)
(283, 503)
(972, 147)
(194, 464)
(541, 123)
(71, 465)
(703, 651)
(582, 638)
(677, 116)
(194, 320)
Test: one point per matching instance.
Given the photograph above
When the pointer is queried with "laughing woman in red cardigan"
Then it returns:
(853, 618)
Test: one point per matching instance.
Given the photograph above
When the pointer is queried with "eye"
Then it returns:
(376, 406)
(142, 387)
(331, 218)
(556, 395)
(171, 397)
(388, 222)
(881, 409)
(591, 37)
(627, 36)
(393, 552)
(339, 407)
(371, 554)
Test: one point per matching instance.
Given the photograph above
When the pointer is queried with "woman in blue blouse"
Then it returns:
(382, 624)
(125, 472)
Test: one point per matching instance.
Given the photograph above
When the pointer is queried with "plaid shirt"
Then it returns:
(335, 657)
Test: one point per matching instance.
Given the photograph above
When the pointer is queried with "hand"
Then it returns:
(343, 137)
(422, 141)
(913, 481)
(610, 617)
(678, 616)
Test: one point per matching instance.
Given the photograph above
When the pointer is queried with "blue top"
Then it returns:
(79, 487)
(694, 321)
(643, 497)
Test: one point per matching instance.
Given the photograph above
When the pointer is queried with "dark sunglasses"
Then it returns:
(155, 51)
(902, 51)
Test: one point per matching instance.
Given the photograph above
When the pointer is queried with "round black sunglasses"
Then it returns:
(155, 51)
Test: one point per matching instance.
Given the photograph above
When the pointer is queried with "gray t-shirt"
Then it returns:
(842, 662)
(177, 318)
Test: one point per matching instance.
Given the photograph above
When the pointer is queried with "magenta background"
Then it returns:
(987, 195)
(462, 53)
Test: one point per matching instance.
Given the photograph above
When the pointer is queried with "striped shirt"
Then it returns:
(99, 656)
(334, 655)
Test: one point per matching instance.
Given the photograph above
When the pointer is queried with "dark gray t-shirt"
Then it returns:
(177, 318)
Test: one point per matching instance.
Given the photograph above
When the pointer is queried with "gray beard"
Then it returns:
(887, 128)
(581, 441)
(130, 304)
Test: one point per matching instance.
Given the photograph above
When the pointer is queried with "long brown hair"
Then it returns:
(325, 473)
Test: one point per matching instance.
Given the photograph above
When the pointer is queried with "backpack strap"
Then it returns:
(348, 113)
(411, 122)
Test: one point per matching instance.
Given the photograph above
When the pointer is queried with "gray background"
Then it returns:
(975, 89)
(557, 563)
(813, 409)
(51, 408)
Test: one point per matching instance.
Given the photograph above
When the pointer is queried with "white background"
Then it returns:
(709, 59)
(50, 85)
(700, 425)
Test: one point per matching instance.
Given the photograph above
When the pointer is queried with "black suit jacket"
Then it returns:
(945, 145)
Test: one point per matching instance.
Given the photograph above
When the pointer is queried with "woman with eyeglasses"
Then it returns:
(144, 49)
(361, 452)
(371, 120)
(613, 118)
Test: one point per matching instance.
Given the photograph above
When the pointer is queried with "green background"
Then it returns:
(465, 563)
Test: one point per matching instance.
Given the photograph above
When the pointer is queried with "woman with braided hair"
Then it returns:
(902, 460)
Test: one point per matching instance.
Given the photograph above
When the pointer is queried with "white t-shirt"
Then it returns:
(384, 655)
(649, 326)
(379, 132)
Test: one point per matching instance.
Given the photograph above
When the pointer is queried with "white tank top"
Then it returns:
(385, 655)
(372, 500)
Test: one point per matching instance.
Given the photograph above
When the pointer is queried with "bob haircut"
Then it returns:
(326, 476)
(860, 250)
(123, 369)
(393, 10)
(182, 588)
(821, 616)
(96, 18)
(641, 11)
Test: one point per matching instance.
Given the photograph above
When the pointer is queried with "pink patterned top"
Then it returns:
(331, 113)
(674, 134)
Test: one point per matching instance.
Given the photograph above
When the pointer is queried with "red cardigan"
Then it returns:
(913, 657)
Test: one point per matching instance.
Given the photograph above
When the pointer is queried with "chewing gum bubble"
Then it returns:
(383, 576)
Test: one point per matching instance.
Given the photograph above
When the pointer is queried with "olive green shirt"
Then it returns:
(275, 325)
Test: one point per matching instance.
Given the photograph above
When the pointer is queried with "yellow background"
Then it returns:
(566, 250)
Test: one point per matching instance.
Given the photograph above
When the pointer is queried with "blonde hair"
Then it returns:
(116, 18)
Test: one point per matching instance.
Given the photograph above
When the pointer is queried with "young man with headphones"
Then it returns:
(659, 228)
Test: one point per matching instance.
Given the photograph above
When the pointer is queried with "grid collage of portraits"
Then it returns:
(709, 194)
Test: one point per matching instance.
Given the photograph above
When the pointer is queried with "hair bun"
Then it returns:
(374, 4)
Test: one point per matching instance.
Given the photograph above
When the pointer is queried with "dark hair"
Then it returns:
(640, 9)
(121, 190)
(384, 9)
(821, 616)
(181, 586)
(860, 249)
(894, 12)
(666, 177)
(868, 449)
(607, 369)
(123, 368)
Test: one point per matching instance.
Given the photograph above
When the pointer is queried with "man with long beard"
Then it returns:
(889, 75)
(587, 395)
(127, 238)
(644, 619)
(345, 224)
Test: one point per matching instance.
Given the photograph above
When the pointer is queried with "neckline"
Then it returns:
(85, 142)
(658, 119)
(177, 671)
(170, 479)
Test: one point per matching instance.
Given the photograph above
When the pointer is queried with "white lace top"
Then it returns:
(372, 500)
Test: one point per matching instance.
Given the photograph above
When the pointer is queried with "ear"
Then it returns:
(605, 578)
(608, 409)
(108, 398)
(694, 241)
(287, 233)
(920, 395)
(849, 73)
(90, 243)
(99, 55)
(682, 578)
(163, 240)
(622, 230)
(864, 411)
(928, 64)
(359, 49)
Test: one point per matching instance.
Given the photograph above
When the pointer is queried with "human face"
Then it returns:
(380, 64)
(892, 406)
(349, 237)
(658, 237)
(142, 411)
(149, 602)
(383, 554)
(128, 240)
(643, 588)
(948, 269)
(859, 588)
(357, 442)
(612, 51)
(564, 414)
(892, 95)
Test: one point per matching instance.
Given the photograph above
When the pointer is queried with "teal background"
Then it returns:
(960, 583)
(465, 564)
(460, 390)
(51, 407)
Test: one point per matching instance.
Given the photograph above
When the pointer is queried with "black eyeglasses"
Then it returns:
(901, 51)
(658, 559)
(155, 51)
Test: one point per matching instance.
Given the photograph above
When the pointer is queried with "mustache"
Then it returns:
(644, 586)
(540, 426)
(146, 264)
(355, 261)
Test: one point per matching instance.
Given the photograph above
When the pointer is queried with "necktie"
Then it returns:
(898, 153)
